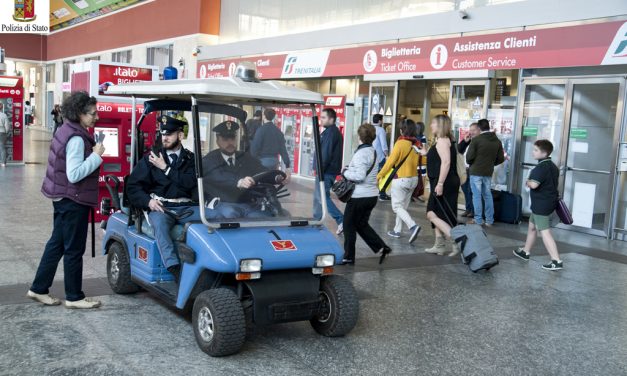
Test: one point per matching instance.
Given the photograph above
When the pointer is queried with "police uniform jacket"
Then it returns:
(180, 182)
(220, 179)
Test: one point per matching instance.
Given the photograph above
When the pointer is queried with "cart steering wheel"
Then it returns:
(268, 189)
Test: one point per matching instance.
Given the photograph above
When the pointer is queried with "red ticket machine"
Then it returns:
(115, 113)
(12, 99)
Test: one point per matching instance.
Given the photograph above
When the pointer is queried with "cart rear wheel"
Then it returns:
(219, 322)
(119, 270)
(339, 307)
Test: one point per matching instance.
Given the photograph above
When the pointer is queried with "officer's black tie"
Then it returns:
(230, 161)
(173, 158)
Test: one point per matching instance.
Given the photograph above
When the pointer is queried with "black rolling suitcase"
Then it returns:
(507, 207)
(476, 250)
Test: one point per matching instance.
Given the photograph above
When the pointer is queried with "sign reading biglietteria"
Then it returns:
(581, 45)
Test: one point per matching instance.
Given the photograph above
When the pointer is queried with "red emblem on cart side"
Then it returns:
(142, 254)
(283, 245)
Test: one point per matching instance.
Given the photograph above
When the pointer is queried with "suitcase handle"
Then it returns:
(448, 219)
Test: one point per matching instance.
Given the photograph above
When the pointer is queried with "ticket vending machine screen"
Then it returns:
(109, 139)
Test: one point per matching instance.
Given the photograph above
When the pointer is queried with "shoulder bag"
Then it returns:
(344, 188)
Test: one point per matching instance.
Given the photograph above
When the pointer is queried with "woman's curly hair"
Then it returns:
(76, 104)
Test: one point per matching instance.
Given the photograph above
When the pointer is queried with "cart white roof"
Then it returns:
(228, 90)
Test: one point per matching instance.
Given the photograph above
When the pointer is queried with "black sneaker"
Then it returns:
(384, 197)
(522, 254)
(553, 265)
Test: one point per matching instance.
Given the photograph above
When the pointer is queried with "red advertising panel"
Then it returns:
(12, 99)
(113, 129)
(114, 75)
(581, 45)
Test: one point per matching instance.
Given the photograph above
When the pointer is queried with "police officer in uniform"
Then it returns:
(164, 184)
(227, 173)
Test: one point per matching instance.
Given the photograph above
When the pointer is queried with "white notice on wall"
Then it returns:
(583, 204)
(579, 147)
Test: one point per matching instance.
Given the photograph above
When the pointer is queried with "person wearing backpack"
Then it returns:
(361, 170)
(403, 159)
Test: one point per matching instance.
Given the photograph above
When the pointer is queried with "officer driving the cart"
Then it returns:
(228, 173)
(164, 184)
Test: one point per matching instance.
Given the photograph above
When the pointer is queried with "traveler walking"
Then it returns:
(5, 131)
(404, 159)
(422, 165)
(72, 183)
(485, 152)
(269, 143)
(381, 146)
(359, 207)
(542, 184)
(28, 113)
(252, 125)
(56, 117)
(444, 183)
(331, 149)
(473, 131)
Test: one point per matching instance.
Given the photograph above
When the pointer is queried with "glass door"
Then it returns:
(542, 117)
(383, 101)
(582, 118)
(590, 152)
(468, 103)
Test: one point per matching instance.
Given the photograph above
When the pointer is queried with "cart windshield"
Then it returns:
(257, 162)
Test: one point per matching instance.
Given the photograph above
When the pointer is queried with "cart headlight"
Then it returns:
(323, 261)
(250, 265)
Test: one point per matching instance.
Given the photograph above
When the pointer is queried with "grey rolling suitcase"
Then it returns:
(476, 250)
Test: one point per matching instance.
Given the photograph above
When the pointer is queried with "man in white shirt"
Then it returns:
(380, 144)
(5, 131)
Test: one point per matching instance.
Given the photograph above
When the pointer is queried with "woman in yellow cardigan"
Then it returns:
(406, 178)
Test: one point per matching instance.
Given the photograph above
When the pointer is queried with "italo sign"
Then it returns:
(114, 75)
(25, 16)
(581, 45)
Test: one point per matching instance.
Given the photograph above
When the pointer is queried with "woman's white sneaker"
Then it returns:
(45, 299)
(86, 303)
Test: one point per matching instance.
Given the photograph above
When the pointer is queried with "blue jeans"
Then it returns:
(271, 163)
(480, 186)
(162, 224)
(241, 210)
(468, 196)
(69, 234)
(333, 210)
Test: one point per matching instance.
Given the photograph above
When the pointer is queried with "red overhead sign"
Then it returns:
(116, 74)
(581, 45)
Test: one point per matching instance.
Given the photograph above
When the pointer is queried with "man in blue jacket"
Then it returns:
(331, 143)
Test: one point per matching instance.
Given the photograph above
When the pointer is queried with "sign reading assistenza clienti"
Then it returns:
(25, 16)
(580, 45)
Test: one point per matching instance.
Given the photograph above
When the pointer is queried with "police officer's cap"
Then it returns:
(226, 128)
(169, 125)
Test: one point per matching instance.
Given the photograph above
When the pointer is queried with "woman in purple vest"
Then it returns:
(72, 183)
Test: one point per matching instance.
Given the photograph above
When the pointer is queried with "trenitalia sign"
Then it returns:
(581, 45)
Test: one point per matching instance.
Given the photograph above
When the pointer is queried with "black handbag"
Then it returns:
(344, 188)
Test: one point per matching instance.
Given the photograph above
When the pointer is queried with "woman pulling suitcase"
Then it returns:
(444, 183)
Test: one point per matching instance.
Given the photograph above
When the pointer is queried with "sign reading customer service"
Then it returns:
(580, 45)
(25, 16)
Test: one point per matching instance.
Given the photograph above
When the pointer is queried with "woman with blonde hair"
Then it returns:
(444, 183)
